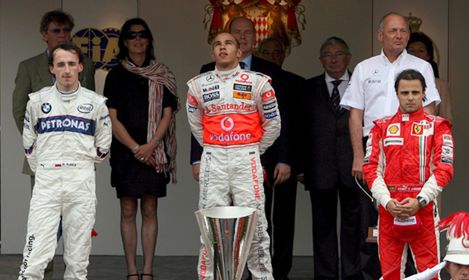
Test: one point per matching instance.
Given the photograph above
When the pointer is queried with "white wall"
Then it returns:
(180, 42)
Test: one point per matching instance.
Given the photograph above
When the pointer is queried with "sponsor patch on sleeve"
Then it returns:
(191, 100)
(369, 148)
(270, 106)
(270, 115)
(268, 96)
(447, 154)
(448, 140)
(191, 109)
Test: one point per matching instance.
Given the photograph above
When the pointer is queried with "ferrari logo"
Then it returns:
(417, 129)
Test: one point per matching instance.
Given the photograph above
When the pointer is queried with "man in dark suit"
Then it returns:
(280, 204)
(328, 158)
(276, 160)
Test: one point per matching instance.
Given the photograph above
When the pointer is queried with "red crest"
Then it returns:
(271, 18)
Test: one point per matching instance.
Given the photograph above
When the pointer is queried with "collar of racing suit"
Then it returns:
(405, 117)
(67, 96)
(225, 75)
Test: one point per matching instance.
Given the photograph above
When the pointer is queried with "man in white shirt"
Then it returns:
(370, 96)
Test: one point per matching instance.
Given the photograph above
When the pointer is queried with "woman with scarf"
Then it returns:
(142, 104)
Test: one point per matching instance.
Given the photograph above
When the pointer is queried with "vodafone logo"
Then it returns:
(267, 96)
(192, 100)
(244, 77)
(227, 124)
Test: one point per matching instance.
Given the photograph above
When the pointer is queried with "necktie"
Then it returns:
(335, 97)
(242, 64)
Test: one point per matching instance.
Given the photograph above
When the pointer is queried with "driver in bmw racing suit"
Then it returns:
(234, 115)
(66, 130)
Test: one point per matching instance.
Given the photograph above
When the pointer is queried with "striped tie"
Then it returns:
(335, 98)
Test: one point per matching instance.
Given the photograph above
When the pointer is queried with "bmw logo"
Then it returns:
(46, 107)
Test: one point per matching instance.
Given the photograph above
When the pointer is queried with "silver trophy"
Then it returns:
(227, 233)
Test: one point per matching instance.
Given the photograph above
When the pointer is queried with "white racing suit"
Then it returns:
(63, 136)
(234, 115)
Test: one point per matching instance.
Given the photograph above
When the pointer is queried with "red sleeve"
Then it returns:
(371, 162)
(443, 153)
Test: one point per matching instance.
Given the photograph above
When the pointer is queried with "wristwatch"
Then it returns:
(422, 201)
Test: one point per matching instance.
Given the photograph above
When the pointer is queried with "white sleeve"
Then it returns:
(431, 91)
(269, 113)
(30, 136)
(194, 114)
(354, 96)
(103, 135)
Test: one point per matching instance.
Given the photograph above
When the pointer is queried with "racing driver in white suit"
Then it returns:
(66, 130)
(233, 113)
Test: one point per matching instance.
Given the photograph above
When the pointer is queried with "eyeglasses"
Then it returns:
(134, 34)
(63, 29)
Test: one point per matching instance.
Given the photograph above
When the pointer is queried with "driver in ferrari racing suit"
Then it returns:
(234, 115)
(66, 130)
(408, 162)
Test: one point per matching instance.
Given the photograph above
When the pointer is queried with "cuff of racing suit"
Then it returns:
(430, 189)
(380, 192)
(32, 164)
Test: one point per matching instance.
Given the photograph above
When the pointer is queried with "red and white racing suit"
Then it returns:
(63, 136)
(235, 117)
(408, 155)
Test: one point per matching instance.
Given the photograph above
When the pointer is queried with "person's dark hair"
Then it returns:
(409, 75)
(57, 16)
(125, 29)
(334, 41)
(67, 47)
(424, 39)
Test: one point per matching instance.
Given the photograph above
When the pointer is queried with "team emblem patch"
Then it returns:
(417, 129)
(210, 78)
(46, 108)
(244, 77)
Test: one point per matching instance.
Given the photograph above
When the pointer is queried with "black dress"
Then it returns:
(128, 94)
